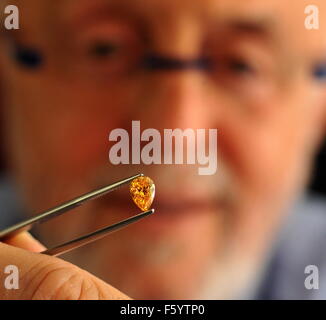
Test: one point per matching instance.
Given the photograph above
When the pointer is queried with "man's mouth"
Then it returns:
(179, 205)
(165, 205)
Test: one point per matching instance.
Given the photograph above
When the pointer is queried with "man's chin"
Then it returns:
(158, 273)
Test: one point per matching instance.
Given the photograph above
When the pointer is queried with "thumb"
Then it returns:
(44, 277)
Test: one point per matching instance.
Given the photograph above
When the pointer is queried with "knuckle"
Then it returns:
(61, 281)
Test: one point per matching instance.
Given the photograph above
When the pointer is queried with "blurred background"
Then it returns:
(319, 179)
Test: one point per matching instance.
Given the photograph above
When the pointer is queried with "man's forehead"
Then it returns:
(222, 8)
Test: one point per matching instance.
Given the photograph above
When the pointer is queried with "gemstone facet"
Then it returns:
(142, 190)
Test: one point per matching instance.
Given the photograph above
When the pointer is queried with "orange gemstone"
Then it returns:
(142, 190)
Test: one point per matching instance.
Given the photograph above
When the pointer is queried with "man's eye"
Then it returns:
(319, 72)
(102, 50)
(239, 66)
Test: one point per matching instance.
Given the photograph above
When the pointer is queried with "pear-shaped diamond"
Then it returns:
(142, 190)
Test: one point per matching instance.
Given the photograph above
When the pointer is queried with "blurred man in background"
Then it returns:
(75, 70)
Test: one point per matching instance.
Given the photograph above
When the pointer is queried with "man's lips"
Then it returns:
(166, 204)
(180, 205)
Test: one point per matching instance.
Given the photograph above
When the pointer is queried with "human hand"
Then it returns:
(43, 277)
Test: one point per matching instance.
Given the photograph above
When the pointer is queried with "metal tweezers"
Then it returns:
(67, 206)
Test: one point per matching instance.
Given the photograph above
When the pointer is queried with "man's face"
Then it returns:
(260, 94)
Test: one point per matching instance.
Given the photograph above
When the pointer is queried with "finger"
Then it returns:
(46, 278)
(25, 240)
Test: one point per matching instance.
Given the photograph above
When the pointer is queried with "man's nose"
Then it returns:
(175, 98)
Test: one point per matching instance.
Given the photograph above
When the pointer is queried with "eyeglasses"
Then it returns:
(242, 73)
